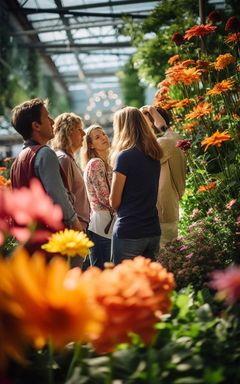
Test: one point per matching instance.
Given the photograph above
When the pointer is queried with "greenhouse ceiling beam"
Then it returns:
(82, 25)
(111, 72)
(68, 47)
(62, 11)
(14, 8)
(100, 5)
(89, 53)
(81, 74)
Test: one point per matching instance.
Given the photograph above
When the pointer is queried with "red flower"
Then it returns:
(199, 30)
(184, 144)
(214, 17)
(232, 24)
(178, 39)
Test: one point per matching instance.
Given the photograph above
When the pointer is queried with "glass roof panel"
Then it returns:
(81, 38)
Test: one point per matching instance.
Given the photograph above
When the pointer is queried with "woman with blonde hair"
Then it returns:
(68, 139)
(98, 177)
(136, 157)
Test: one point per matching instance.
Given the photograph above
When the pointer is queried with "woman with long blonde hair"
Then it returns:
(98, 177)
(136, 169)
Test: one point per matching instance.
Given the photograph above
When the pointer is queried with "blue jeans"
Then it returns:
(100, 253)
(129, 248)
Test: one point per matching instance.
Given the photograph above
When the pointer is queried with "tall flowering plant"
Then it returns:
(202, 91)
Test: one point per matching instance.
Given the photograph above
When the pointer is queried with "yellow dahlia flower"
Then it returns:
(69, 243)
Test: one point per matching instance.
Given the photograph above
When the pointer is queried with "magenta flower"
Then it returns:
(184, 144)
(227, 283)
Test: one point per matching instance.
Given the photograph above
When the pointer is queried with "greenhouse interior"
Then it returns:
(119, 191)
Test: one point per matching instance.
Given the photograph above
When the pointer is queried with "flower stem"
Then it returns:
(50, 362)
(109, 378)
(77, 357)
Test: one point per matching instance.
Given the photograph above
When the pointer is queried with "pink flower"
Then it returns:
(27, 205)
(21, 210)
(227, 283)
(231, 204)
(183, 248)
(195, 213)
(188, 257)
(184, 144)
(210, 211)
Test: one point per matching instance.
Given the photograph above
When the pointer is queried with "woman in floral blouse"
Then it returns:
(98, 177)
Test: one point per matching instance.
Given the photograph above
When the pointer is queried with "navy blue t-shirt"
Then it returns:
(137, 216)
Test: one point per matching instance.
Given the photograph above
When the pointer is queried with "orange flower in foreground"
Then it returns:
(216, 139)
(201, 109)
(50, 300)
(134, 294)
(222, 61)
(199, 30)
(204, 188)
(223, 86)
(13, 341)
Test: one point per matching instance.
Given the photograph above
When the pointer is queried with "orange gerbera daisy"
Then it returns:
(204, 188)
(200, 110)
(190, 126)
(182, 103)
(50, 300)
(222, 61)
(234, 37)
(188, 62)
(223, 86)
(134, 294)
(173, 59)
(180, 74)
(216, 139)
(199, 30)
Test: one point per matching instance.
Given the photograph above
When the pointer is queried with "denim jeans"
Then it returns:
(100, 253)
(129, 248)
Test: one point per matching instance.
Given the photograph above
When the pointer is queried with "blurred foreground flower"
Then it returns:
(227, 283)
(69, 243)
(25, 210)
(49, 301)
(134, 295)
